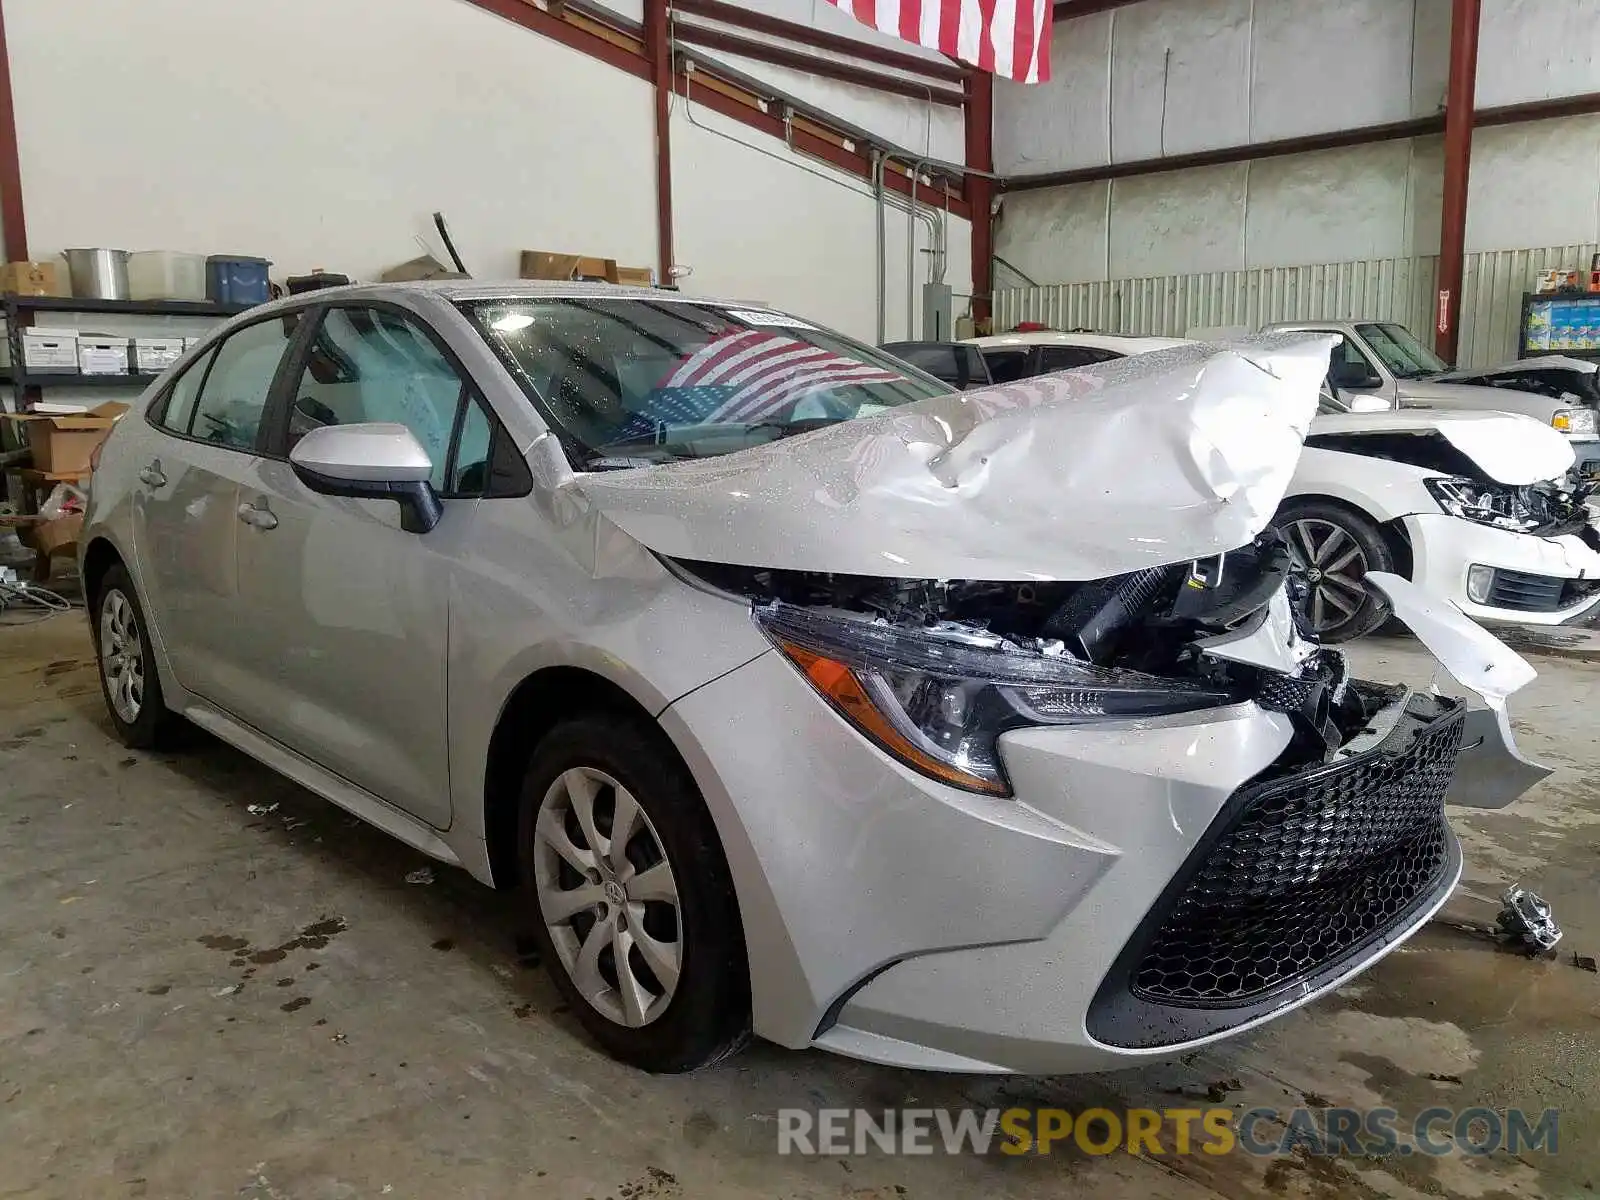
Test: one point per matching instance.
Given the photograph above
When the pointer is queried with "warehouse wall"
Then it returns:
(301, 131)
(1171, 77)
(289, 130)
(828, 268)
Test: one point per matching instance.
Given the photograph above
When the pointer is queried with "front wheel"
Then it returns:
(1335, 547)
(630, 895)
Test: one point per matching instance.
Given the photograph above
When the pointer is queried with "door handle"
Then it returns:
(151, 476)
(257, 518)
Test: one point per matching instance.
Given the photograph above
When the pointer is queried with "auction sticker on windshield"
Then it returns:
(775, 320)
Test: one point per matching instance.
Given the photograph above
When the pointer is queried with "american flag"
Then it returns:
(747, 375)
(1010, 38)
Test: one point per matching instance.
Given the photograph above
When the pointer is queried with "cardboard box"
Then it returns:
(30, 279)
(61, 443)
(547, 264)
(636, 276)
(102, 354)
(45, 351)
(152, 355)
(54, 537)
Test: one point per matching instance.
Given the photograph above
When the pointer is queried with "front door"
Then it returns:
(186, 523)
(352, 612)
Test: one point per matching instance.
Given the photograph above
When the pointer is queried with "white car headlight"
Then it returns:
(1574, 420)
(939, 701)
(1486, 503)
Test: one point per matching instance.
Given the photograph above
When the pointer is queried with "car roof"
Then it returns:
(1122, 343)
(519, 289)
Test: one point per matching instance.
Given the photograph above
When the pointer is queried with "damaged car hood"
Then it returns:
(1144, 461)
(1507, 447)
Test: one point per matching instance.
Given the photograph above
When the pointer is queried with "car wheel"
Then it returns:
(632, 905)
(128, 675)
(1336, 547)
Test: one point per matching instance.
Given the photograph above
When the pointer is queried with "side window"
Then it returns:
(371, 364)
(485, 462)
(469, 474)
(1064, 358)
(1350, 368)
(1007, 366)
(235, 392)
(177, 408)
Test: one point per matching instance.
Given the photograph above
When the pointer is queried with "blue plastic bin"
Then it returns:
(234, 279)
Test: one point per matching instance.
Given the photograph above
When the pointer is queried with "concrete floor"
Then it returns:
(214, 984)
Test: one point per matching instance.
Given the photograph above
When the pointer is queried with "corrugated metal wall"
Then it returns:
(1386, 289)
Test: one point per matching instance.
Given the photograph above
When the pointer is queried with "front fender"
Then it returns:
(1380, 487)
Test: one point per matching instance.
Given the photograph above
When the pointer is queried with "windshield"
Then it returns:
(629, 383)
(1402, 353)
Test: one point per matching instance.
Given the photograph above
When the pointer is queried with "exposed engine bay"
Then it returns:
(1146, 625)
(1548, 509)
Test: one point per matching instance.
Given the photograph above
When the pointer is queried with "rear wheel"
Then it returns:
(1336, 547)
(633, 907)
(128, 675)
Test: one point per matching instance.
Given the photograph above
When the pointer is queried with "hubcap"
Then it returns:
(121, 656)
(1334, 566)
(608, 897)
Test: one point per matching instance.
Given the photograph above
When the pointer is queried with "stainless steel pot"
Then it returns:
(98, 274)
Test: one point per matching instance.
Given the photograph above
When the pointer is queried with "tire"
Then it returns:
(1336, 546)
(128, 677)
(598, 763)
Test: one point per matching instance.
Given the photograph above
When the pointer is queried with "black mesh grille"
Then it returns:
(1310, 867)
(1525, 592)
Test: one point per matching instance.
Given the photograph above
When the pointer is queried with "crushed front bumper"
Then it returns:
(1300, 881)
(1537, 580)
(1301, 878)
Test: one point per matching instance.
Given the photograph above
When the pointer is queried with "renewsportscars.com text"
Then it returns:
(1374, 1132)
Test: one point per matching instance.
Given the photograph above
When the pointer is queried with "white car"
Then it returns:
(1473, 506)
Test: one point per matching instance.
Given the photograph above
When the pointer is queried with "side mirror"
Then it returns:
(1361, 404)
(375, 461)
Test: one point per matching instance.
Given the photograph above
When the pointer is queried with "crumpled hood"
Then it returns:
(1521, 366)
(1427, 393)
(1508, 448)
(1154, 459)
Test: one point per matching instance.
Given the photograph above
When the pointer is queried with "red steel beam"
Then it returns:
(523, 12)
(659, 46)
(1508, 114)
(1365, 135)
(979, 189)
(11, 214)
(716, 39)
(834, 153)
(804, 35)
(1458, 113)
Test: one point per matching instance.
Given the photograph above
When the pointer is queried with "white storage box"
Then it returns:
(152, 355)
(189, 343)
(45, 351)
(166, 275)
(100, 354)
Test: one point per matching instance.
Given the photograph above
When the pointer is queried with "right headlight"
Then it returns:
(938, 700)
(1574, 420)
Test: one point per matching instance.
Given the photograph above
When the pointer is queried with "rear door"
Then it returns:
(185, 511)
(351, 611)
